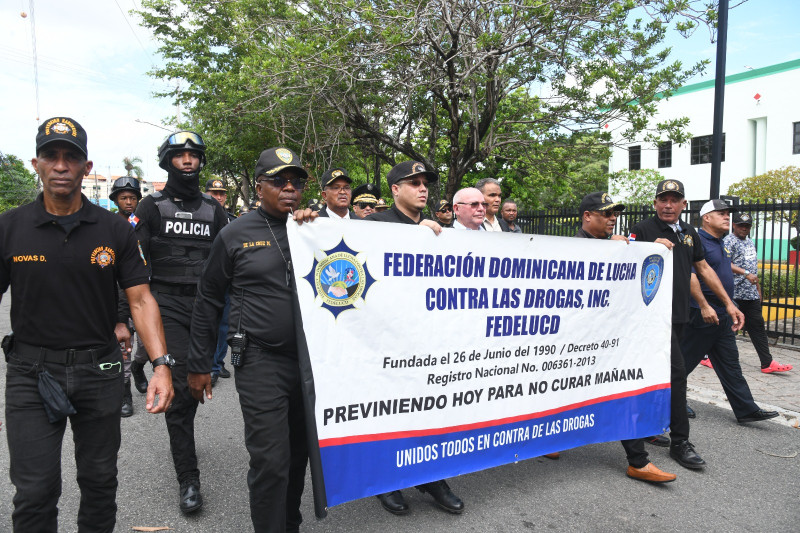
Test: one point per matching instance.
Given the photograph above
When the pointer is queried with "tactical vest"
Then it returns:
(183, 242)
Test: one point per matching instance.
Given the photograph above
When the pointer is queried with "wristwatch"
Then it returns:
(165, 359)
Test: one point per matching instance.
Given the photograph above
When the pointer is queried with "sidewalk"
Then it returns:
(779, 392)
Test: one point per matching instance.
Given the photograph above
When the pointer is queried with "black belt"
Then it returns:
(66, 357)
(175, 290)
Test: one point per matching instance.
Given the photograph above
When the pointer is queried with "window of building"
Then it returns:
(634, 157)
(701, 149)
(665, 154)
(796, 138)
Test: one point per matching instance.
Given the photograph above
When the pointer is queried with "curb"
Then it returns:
(787, 417)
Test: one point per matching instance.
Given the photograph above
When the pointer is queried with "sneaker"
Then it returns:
(775, 366)
(706, 362)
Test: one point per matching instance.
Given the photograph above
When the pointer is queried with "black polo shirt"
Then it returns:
(245, 259)
(64, 283)
(687, 251)
(718, 257)
(393, 215)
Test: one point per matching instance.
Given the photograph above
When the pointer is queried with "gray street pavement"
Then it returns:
(752, 482)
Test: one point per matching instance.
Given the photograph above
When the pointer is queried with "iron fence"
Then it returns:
(775, 231)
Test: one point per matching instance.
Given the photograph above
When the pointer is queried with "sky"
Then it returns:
(93, 60)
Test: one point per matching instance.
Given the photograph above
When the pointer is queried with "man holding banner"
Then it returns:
(409, 184)
(598, 217)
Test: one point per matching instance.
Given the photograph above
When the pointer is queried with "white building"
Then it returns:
(761, 127)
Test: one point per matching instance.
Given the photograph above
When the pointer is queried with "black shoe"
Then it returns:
(127, 402)
(690, 412)
(443, 496)
(223, 372)
(191, 499)
(139, 379)
(758, 416)
(214, 378)
(684, 453)
(658, 440)
(393, 502)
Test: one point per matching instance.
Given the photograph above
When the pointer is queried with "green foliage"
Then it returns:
(779, 283)
(467, 87)
(636, 187)
(132, 166)
(780, 184)
(795, 242)
(17, 184)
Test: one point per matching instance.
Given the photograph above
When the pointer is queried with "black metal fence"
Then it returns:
(775, 229)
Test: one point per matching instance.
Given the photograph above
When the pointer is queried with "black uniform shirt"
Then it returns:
(393, 215)
(245, 257)
(687, 251)
(64, 284)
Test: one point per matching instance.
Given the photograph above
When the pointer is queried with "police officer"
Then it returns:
(336, 194)
(176, 227)
(444, 213)
(409, 184)
(251, 259)
(64, 258)
(216, 189)
(364, 199)
(126, 193)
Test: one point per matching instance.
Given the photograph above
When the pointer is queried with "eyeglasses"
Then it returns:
(182, 137)
(280, 182)
(474, 205)
(609, 213)
(364, 205)
(343, 188)
(416, 182)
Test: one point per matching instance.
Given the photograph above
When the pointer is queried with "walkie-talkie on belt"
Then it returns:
(239, 340)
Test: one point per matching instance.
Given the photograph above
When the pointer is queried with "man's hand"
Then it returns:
(620, 238)
(300, 216)
(709, 315)
(123, 338)
(200, 384)
(752, 278)
(437, 229)
(737, 317)
(666, 242)
(161, 384)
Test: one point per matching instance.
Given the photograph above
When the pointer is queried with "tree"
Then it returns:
(17, 184)
(449, 83)
(781, 184)
(634, 187)
(132, 167)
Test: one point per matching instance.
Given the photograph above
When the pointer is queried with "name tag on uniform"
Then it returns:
(183, 214)
(187, 229)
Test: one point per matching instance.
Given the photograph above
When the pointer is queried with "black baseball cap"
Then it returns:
(369, 193)
(62, 129)
(215, 184)
(599, 201)
(442, 204)
(406, 169)
(742, 218)
(665, 186)
(273, 160)
(334, 174)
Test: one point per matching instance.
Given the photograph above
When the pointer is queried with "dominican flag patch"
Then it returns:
(133, 219)
(632, 236)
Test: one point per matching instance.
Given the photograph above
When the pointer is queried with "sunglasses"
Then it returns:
(445, 210)
(280, 182)
(474, 205)
(182, 137)
(609, 213)
(364, 205)
(414, 182)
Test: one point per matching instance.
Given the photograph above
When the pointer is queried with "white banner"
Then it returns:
(435, 356)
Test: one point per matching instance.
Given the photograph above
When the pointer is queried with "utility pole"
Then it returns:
(719, 98)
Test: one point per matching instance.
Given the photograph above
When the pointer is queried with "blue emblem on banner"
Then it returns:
(652, 270)
(339, 279)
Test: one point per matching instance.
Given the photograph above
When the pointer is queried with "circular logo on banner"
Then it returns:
(340, 278)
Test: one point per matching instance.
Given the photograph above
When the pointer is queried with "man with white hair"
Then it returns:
(470, 209)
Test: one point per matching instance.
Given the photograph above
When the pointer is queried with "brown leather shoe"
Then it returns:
(651, 473)
(554, 455)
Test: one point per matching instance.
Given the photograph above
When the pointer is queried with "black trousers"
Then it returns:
(176, 314)
(679, 420)
(634, 450)
(34, 444)
(754, 326)
(275, 436)
(719, 342)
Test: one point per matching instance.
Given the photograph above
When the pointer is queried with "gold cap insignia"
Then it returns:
(284, 155)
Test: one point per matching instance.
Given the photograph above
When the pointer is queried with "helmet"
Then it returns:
(181, 140)
(125, 183)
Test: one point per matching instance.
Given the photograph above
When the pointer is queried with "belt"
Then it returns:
(66, 357)
(175, 290)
